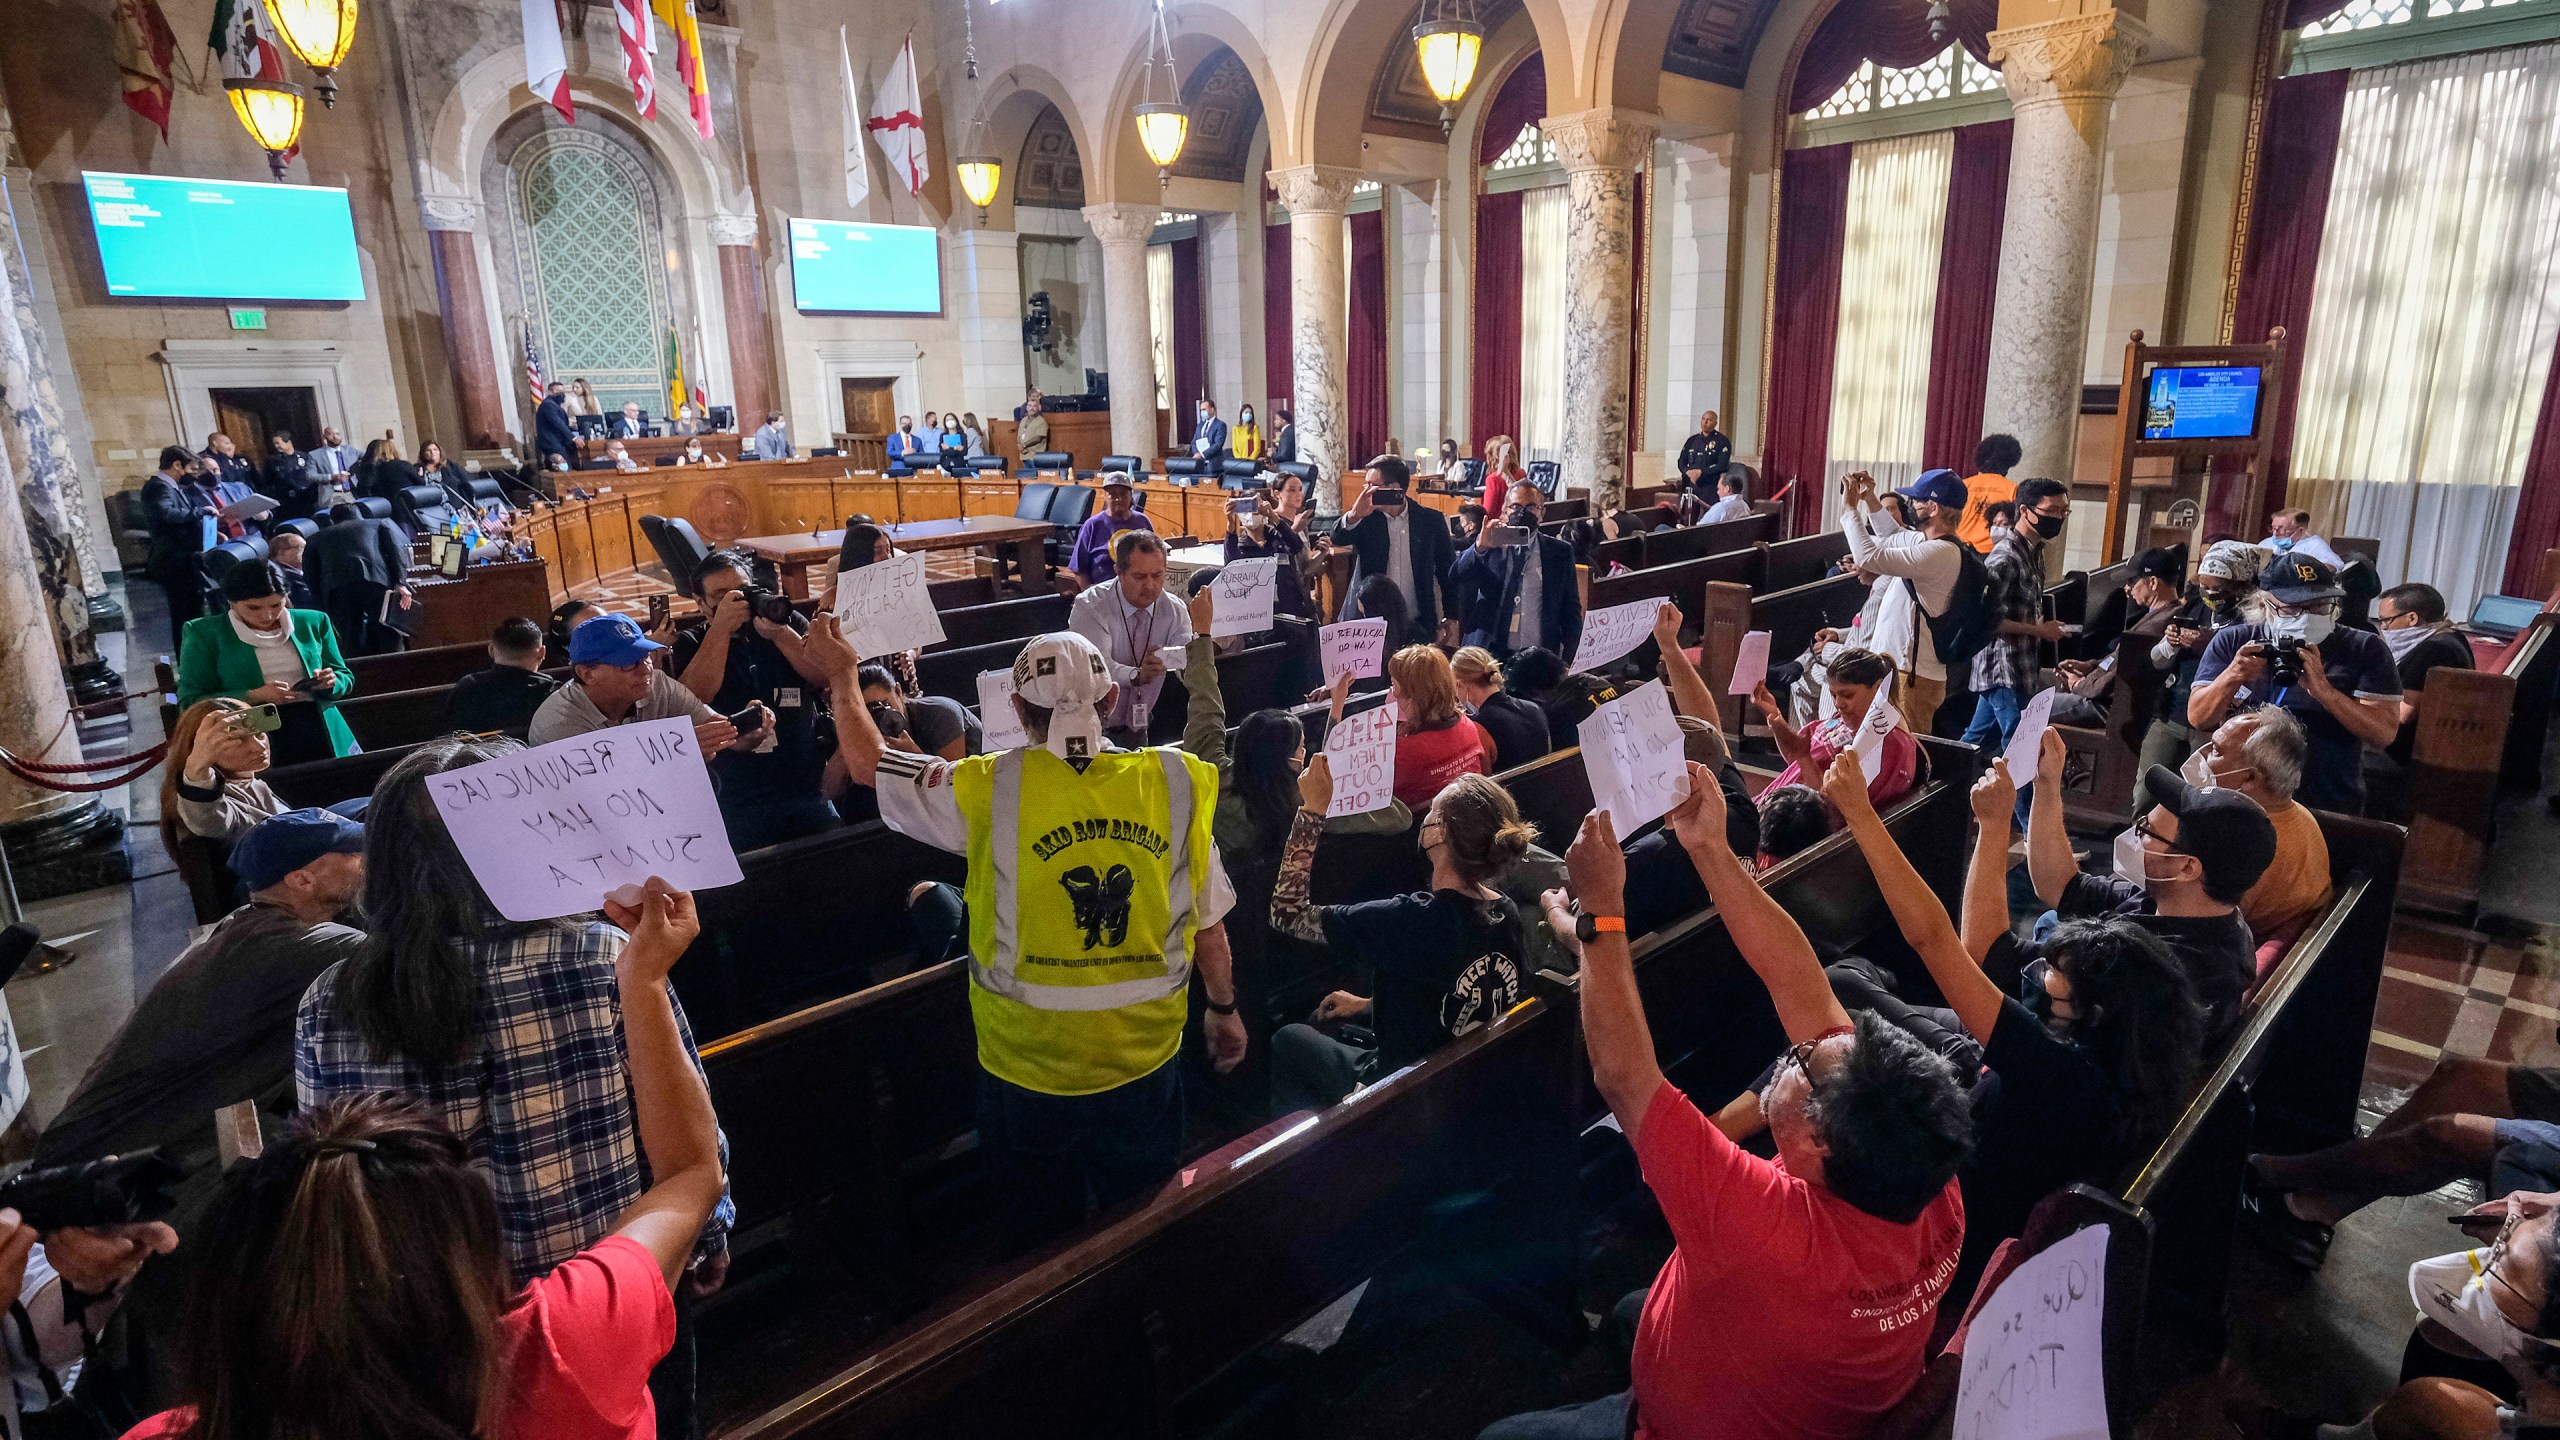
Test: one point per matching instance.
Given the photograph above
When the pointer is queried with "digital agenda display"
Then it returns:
(2202, 402)
(170, 237)
(865, 269)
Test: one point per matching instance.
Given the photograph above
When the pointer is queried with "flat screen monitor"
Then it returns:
(865, 269)
(2202, 402)
(169, 237)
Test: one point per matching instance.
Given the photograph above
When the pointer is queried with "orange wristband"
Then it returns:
(1609, 924)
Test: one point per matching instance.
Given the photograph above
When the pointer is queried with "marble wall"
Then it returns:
(1690, 269)
(1414, 295)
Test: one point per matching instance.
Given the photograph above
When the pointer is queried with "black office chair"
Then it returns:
(824, 451)
(222, 559)
(1122, 465)
(1305, 470)
(665, 460)
(679, 546)
(1037, 496)
(1750, 478)
(421, 508)
(1186, 466)
(488, 494)
(1471, 476)
(1546, 475)
(1057, 460)
(374, 507)
(304, 528)
(1069, 507)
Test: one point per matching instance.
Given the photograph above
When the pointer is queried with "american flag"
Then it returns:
(532, 367)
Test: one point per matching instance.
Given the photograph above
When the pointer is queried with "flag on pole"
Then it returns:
(532, 367)
(857, 162)
(897, 119)
(546, 57)
(244, 41)
(675, 374)
(639, 48)
(680, 22)
(147, 54)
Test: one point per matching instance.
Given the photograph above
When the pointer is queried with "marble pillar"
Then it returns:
(462, 304)
(1416, 298)
(2062, 77)
(987, 286)
(39, 451)
(1128, 324)
(1600, 150)
(1319, 320)
(1697, 201)
(742, 314)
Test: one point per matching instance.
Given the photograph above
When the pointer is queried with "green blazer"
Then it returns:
(213, 660)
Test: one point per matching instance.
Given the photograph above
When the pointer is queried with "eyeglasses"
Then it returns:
(2308, 607)
(1800, 1055)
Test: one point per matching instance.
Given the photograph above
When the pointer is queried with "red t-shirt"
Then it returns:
(1785, 1311)
(1897, 761)
(579, 1344)
(1426, 760)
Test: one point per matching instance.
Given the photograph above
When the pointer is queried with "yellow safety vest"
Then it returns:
(1082, 894)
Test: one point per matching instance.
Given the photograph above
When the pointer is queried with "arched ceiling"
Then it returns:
(1712, 40)
(1225, 111)
(1051, 173)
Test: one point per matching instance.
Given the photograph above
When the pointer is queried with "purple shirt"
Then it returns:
(1091, 557)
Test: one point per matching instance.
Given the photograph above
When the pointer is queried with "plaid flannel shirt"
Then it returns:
(545, 1107)
(2016, 592)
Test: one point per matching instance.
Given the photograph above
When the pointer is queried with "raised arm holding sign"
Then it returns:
(1357, 648)
(1631, 749)
(886, 607)
(2034, 1353)
(1362, 751)
(1245, 593)
(557, 829)
(1611, 632)
(1750, 663)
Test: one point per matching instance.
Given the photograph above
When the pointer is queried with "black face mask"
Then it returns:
(1522, 517)
(2048, 526)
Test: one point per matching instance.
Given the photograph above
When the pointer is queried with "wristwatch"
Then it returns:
(1587, 928)
(1215, 1008)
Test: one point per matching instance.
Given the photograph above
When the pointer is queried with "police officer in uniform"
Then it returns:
(1093, 894)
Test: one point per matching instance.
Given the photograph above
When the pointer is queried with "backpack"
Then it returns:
(1967, 625)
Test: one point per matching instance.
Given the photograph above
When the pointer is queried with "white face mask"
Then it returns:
(2132, 861)
(2406, 639)
(2292, 630)
(2198, 771)
(2454, 1291)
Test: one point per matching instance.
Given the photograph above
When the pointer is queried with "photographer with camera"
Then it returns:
(747, 652)
(2342, 684)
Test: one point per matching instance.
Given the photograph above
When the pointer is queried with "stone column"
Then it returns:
(1222, 313)
(1417, 302)
(987, 279)
(1128, 327)
(1697, 200)
(742, 313)
(2062, 77)
(451, 222)
(48, 476)
(1319, 320)
(1600, 150)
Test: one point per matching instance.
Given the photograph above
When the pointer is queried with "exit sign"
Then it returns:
(248, 317)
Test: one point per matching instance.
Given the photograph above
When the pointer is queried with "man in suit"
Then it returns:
(1519, 596)
(1391, 536)
(179, 508)
(630, 424)
(336, 458)
(773, 440)
(1284, 441)
(1209, 436)
(225, 465)
(292, 482)
(904, 440)
(352, 563)
(553, 435)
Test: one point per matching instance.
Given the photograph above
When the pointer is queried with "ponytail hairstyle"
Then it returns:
(352, 1282)
(1481, 825)
(1854, 666)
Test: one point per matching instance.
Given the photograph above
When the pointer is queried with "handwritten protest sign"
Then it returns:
(1613, 631)
(1362, 751)
(995, 712)
(885, 607)
(2028, 741)
(553, 830)
(1355, 647)
(1750, 663)
(1631, 749)
(2033, 1357)
(1244, 594)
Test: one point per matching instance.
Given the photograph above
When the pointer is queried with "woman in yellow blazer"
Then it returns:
(257, 651)
(1244, 438)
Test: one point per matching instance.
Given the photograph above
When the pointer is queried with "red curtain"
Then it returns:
(1365, 377)
(1523, 98)
(1968, 280)
(1892, 33)
(2297, 150)
(1190, 340)
(1812, 226)
(2310, 12)
(1494, 383)
(1279, 368)
(2537, 526)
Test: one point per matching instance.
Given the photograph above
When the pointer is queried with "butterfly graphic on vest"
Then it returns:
(1101, 901)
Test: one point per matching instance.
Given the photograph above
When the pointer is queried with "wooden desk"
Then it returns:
(795, 555)
(1084, 434)
(648, 448)
(456, 612)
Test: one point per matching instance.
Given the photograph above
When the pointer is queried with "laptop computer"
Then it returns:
(2502, 617)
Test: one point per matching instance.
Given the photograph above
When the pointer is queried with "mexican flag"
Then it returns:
(245, 47)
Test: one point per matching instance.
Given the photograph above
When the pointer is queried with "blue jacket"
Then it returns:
(1489, 583)
(1215, 432)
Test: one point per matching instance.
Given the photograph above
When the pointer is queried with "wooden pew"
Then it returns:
(1670, 547)
(326, 782)
(2534, 662)
(1801, 561)
(1683, 583)
(1002, 620)
(2459, 747)
(412, 669)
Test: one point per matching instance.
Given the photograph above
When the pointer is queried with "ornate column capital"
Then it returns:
(1603, 139)
(1121, 223)
(733, 229)
(449, 212)
(2085, 57)
(1315, 189)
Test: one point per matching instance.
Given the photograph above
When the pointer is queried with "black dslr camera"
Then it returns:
(2284, 667)
(117, 1190)
(770, 606)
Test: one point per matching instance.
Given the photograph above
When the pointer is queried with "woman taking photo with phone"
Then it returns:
(259, 652)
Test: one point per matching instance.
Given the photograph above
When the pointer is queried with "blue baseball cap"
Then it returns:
(610, 640)
(1939, 487)
(281, 844)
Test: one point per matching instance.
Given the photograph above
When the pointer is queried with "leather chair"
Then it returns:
(222, 559)
(679, 546)
(1546, 475)
(1233, 470)
(1057, 460)
(986, 464)
(421, 508)
(1471, 476)
(488, 494)
(825, 452)
(1069, 507)
(1037, 496)
(374, 507)
(304, 528)
(1123, 464)
(1305, 470)
(1186, 466)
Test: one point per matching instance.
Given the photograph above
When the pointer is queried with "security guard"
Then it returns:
(1093, 892)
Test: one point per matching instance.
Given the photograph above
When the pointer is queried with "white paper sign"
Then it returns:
(1610, 633)
(1750, 663)
(2034, 1357)
(996, 714)
(886, 608)
(1362, 751)
(1632, 751)
(2027, 742)
(1358, 647)
(1242, 597)
(553, 830)
(1882, 719)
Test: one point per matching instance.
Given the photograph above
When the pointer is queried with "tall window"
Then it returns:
(1951, 73)
(1888, 305)
(2375, 14)
(1530, 147)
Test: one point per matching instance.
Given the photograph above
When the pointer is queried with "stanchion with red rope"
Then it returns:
(128, 768)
